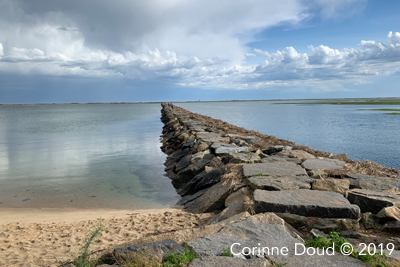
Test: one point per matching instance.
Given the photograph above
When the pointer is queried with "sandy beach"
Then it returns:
(48, 237)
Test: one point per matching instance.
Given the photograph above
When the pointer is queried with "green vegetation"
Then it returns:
(83, 259)
(393, 113)
(183, 259)
(261, 174)
(335, 240)
(226, 252)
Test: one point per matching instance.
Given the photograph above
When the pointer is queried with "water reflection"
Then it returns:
(85, 156)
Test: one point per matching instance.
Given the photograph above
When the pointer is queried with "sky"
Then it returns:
(56, 51)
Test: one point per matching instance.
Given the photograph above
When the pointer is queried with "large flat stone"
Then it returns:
(323, 164)
(372, 201)
(212, 137)
(369, 182)
(265, 230)
(300, 154)
(279, 168)
(311, 203)
(280, 183)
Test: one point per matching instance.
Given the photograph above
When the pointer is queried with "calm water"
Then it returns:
(83, 156)
(362, 134)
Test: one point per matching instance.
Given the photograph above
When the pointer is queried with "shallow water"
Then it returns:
(363, 134)
(83, 156)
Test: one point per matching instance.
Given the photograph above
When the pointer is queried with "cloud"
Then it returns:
(178, 43)
(325, 63)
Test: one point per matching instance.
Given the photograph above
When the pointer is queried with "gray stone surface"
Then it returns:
(183, 163)
(369, 220)
(279, 168)
(393, 227)
(233, 209)
(280, 183)
(312, 203)
(189, 187)
(210, 179)
(185, 175)
(213, 200)
(158, 247)
(331, 224)
(323, 164)
(371, 201)
(296, 154)
(316, 233)
(221, 149)
(220, 261)
(241, 195)
(276, 158)
(240, 157)
(369, 182)
(186, 199)
(212, 137)
(270, 231)
(334, 185)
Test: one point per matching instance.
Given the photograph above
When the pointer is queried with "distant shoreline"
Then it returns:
(363, 101)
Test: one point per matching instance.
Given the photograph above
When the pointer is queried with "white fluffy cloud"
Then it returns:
(325, 63)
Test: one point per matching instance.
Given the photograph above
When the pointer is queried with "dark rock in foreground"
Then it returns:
(311, 203)
(372, 201)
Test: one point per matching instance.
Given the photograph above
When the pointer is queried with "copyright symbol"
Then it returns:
(346, 249)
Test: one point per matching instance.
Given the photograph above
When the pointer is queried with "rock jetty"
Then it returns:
(270, 192)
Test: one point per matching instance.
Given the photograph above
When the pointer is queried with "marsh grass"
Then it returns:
(83, 260)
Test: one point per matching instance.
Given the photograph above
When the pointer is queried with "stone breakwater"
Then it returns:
(235, 173)
(269, 194)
